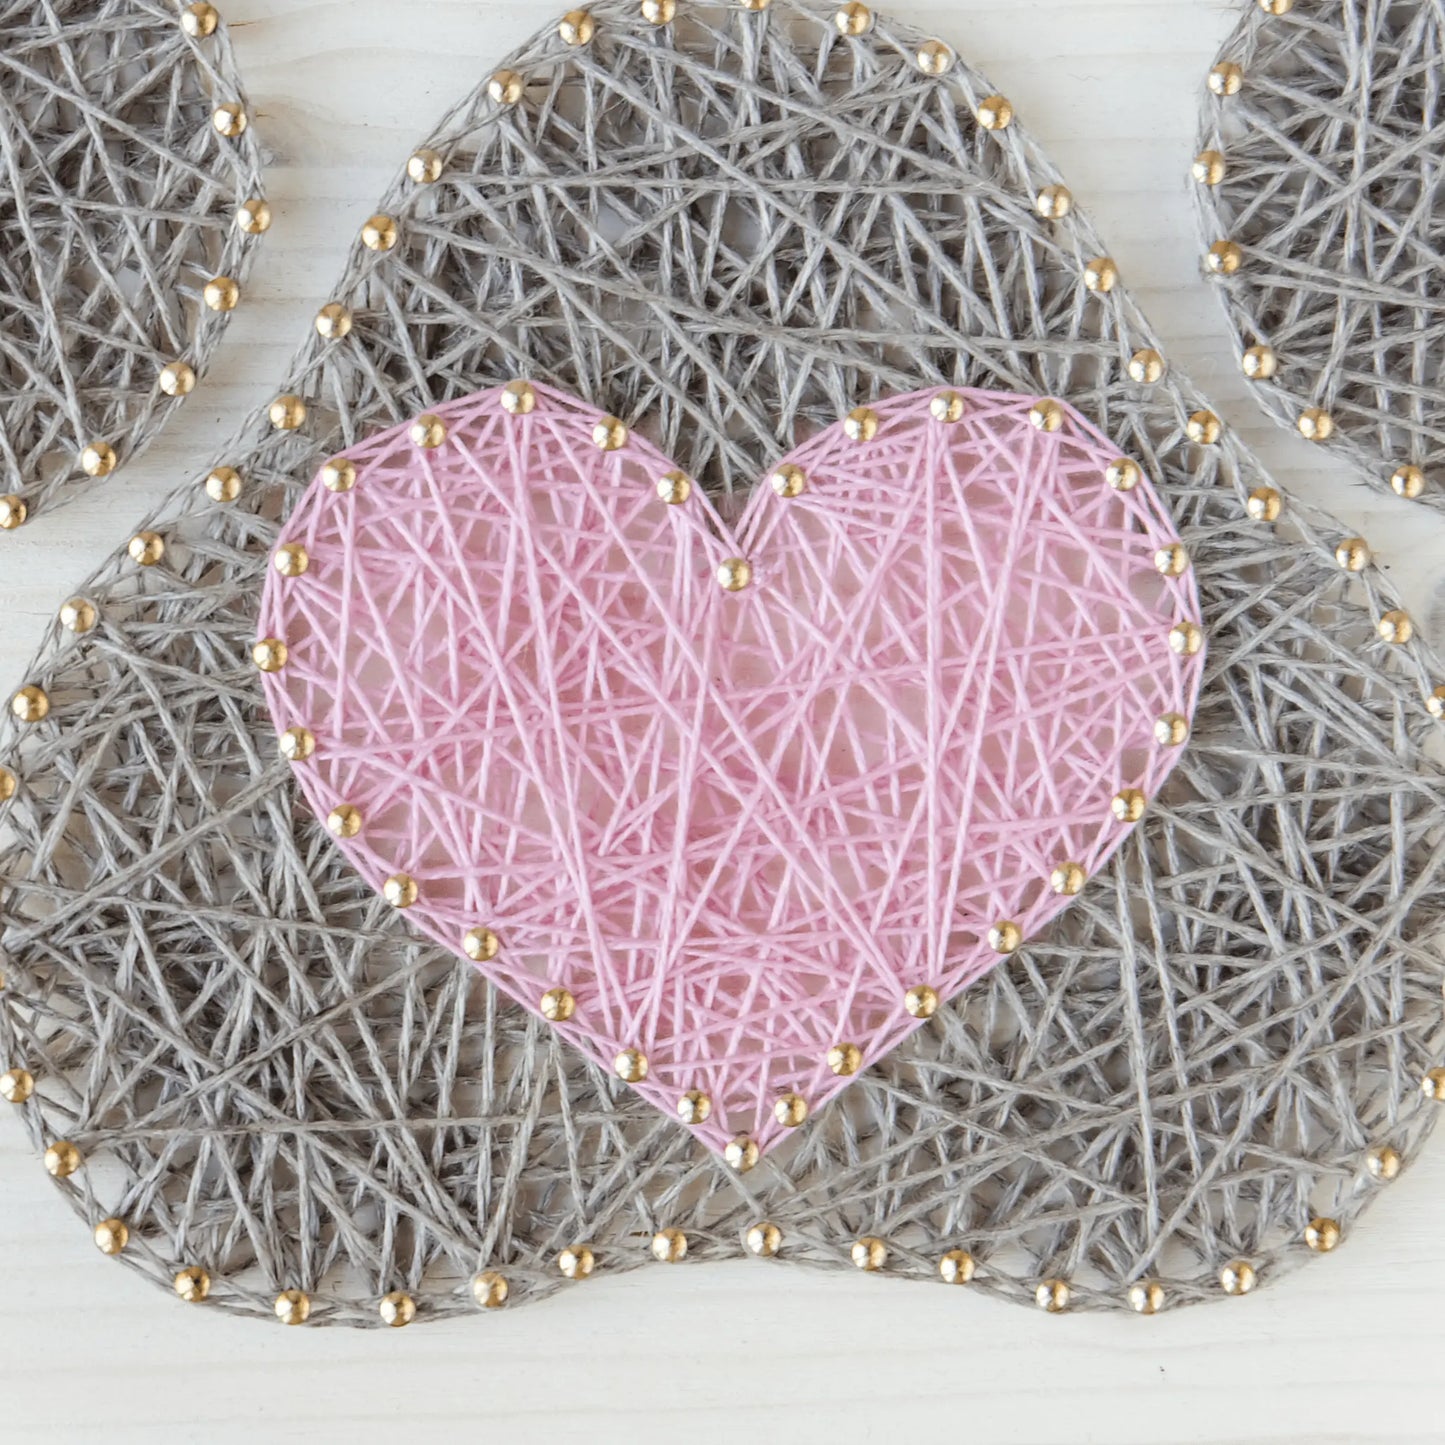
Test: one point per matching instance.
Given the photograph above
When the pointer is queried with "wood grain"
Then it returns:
(1344, 1351)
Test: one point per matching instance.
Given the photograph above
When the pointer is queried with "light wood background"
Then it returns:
(1348, 1350)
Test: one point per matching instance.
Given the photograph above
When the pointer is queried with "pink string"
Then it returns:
(738, 826)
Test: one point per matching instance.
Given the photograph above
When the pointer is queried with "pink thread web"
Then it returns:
(737, 826)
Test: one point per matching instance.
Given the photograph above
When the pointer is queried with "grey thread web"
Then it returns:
(728, 230)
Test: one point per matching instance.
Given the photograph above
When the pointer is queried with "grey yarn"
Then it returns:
(728, 230)
(1335, 192)
(117, 205)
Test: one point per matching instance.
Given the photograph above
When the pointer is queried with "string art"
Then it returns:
(129, 191)
(726, 229)
(741, 804)
(1322, 206)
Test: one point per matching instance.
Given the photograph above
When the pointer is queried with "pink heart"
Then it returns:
(742, 831)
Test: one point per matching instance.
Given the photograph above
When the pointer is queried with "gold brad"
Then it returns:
(397, 1309)
(674, 488)
(1396, 627)
(1276, 7)
(1171, 730)
(30, 704)
(1005, 937)
(576, 1261)
(1068, 879)
(8, 786)
(853, 19)
(98, 459)
(631, 1066)
(861, 424)
(428, 431)
(481, 945)
(1238, 1277)
(1226, 79)
(380, 233)
(933, 57)
(659, 12)
(995, 112)
(200, 21)
(1046, 415)
(1203, 428)
(755, 5)
(1146, 1297)
(1186, 638)
(62, 1159)
(788, 481)
(519, 398)
(338, 475)
(146, 548)
(947, 407)
(297, 744)
(344, 820)
(764, 1239)
(223, 484)
(192, 1284)
(741, 1153)
(1432, 1085)
(1172, 560)
(221, 293)
(577, 27)
(1315, 424)
(287, 412)
(1123, 474)
(557, 1005)
(1128, 806)
(869, 1253)
(1352, 554)
(791, 1110)
(291, 559)
(669, 1246)
(269, 654)
(16, 1085)
(1322, 1235)
(1101, 274)
(1264, 504)
(13, 512)
(695, 1107)
(1408, 482)
(254, 216)
(958, 1266)
(1053, 203)
(293, 1307)
(921, 1001)
(506, 87)
(111, 1236)
(230, 119)
(1209, 168)
(1383, 1163)
(1146, 367)
(845, 1059)
(1435, 703)
(400, 890)
(490, 1289)
(1052, 1295)
(78, 615)
(333, 321)
(734, 574)
(425, 166)
(609, 434)
(1224, 258)
(1259, 363)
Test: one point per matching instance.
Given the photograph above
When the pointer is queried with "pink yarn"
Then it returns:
(738, 826)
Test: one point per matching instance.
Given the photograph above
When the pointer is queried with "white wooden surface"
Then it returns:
(1348, 1350)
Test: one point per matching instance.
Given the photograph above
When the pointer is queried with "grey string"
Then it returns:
(728, 231)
